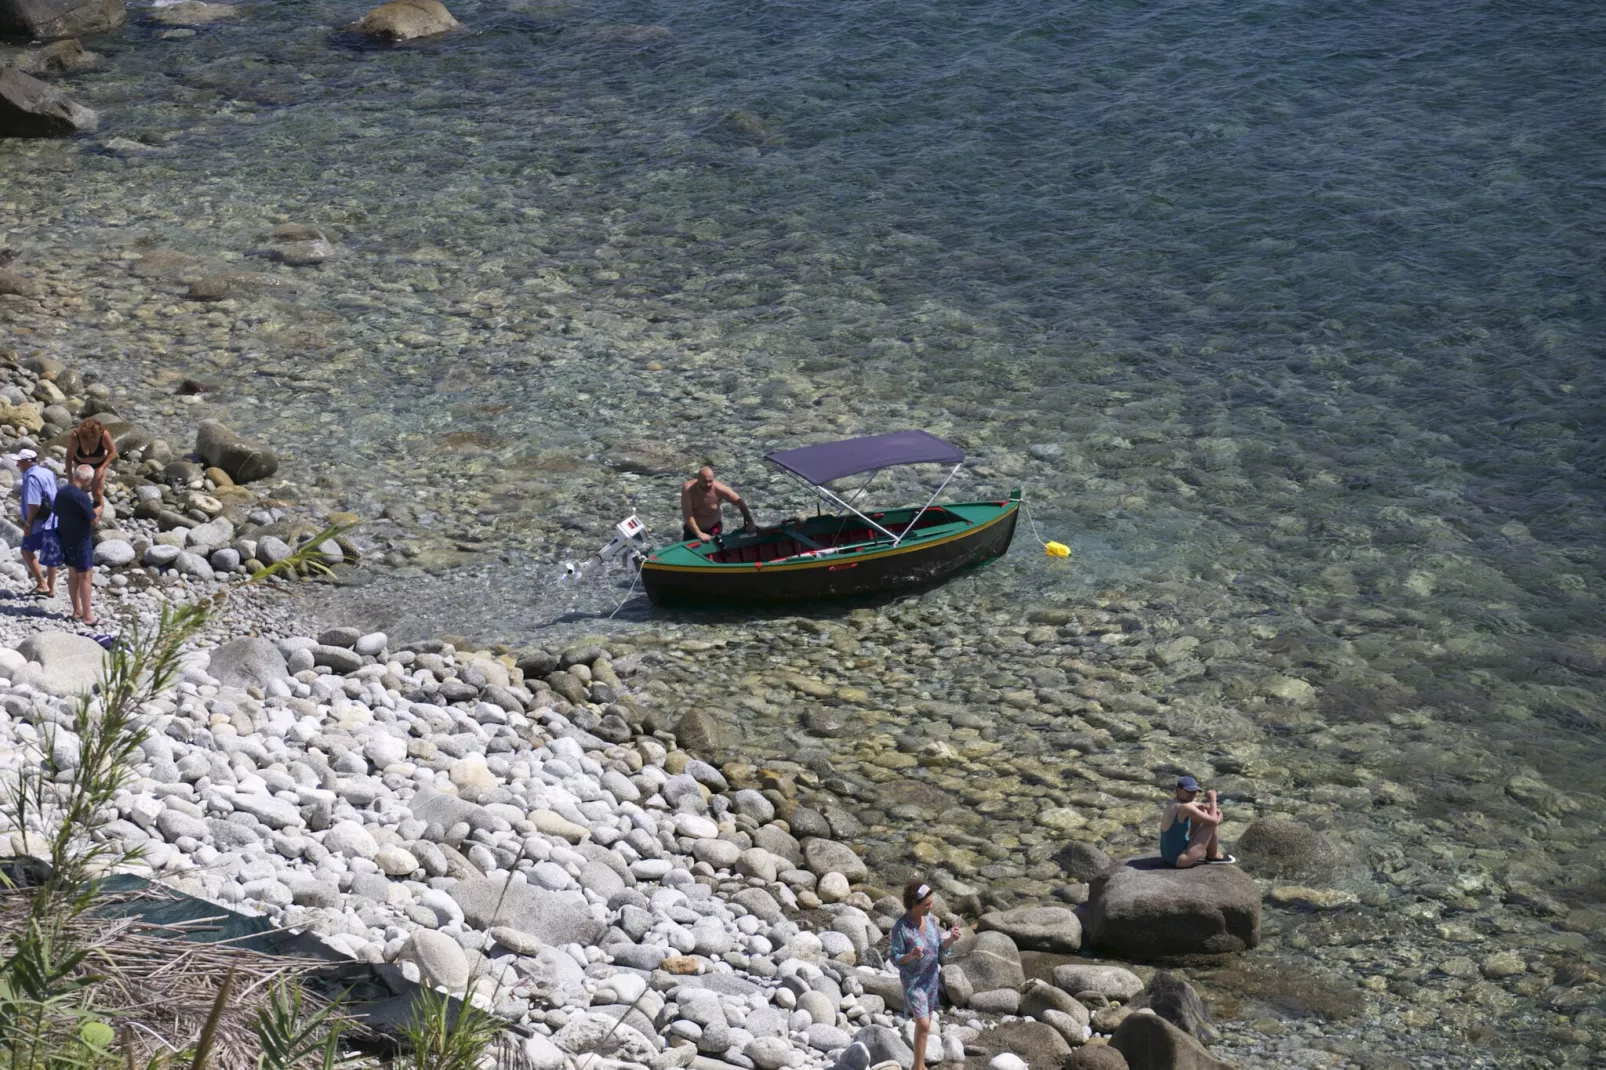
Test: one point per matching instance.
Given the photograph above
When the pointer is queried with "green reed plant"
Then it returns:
(447, 1036)
(45, 1019)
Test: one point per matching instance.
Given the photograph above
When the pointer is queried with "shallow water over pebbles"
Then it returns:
(1287, 319)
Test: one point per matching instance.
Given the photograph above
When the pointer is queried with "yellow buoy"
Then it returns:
(1057, 549)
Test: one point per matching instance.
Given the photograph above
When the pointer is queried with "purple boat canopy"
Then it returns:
(832, 460)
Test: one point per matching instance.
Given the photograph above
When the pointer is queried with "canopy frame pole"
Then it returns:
(916, 519)
(862, 488)
(827, 494)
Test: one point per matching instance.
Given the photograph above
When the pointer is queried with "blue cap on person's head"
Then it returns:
(1187, 783)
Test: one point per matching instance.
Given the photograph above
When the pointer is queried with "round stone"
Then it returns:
(395, 861)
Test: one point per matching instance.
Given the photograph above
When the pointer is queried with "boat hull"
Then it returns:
(876, 571)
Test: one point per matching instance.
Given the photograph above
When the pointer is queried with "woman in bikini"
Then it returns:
(1188, 831)
(92, 445)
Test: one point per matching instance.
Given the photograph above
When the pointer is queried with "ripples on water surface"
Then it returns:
(1299, 303)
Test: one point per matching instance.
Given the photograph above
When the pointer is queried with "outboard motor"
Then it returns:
(629, 547)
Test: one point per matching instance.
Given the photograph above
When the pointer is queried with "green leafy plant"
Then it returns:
(444, 1034)
(60, 804)
(292, 1035)
(308, 557)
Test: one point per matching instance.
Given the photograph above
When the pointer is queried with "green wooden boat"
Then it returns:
(842, 553)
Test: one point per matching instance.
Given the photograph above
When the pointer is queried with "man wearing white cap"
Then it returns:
(39, 544)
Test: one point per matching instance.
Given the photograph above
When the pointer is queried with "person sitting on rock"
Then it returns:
(916, 946)
(1188, 831)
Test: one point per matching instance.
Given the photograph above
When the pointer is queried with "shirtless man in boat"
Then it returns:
(702, 511)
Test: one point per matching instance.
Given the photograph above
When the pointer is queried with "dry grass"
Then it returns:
(154, 984)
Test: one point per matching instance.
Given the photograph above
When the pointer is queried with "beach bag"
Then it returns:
(50, 550)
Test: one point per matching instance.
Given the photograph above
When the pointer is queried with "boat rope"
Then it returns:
(633, 581)
(1053, 549)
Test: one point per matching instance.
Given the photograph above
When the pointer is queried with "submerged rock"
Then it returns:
(18, 286)
(193, 13)
(1272, 847)
(404, 20)
(30, 108)
(49, 19)
(59, 57)
(241, 458)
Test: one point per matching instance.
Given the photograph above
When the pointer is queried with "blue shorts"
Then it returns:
(79, 555)
(46, 546)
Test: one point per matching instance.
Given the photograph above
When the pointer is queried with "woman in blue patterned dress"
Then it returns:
(917, 945)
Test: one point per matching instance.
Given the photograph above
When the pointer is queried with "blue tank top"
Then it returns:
(1174, 840)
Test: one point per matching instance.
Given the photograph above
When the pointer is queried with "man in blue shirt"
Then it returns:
(76, 515)
(39, 545)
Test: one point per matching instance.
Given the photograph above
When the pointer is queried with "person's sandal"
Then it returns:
(1224, 860)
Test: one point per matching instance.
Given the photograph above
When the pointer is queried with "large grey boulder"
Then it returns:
(989, 960)
(337, 658)
(553, 978)
(114, 553)
(553, 917)
(248, 662)
(60, 663)
(49, 19)
(1149, 1042)
(1145, 909)
(272, 811)
(777, 841)
(209, 536)
(245, 461)
(30, 108)
(1037, 928)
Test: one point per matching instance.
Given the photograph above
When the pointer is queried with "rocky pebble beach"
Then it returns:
(562, 837)
(509, 829)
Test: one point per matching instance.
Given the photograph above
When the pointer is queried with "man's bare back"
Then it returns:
(702, 506)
